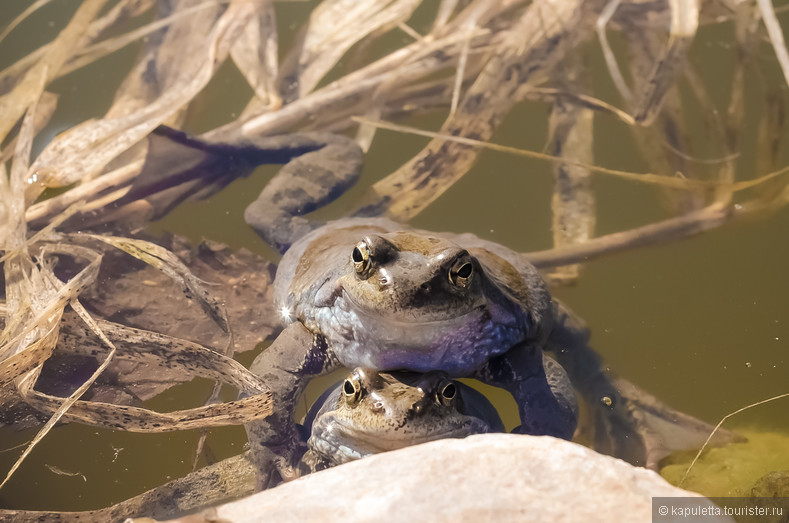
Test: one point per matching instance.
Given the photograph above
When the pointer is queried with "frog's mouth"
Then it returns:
(396, 313)
(456, 344)
(409, 329)
(340, 442)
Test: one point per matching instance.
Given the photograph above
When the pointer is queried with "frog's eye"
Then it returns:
(447, 393)
(352, 389)
(461, 272)
(361, 257)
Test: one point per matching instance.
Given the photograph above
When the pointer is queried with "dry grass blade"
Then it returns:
(334, 26)
(133, 418)
(137, 419)
(25, 385)
(718, 426)
(776, 35)
(255, 54)
(229, 479)
(647, 178)
(122, 11)
(32, 8)
(669, 124)
(35, 305)
(34, 354)
(551, 95)
(608, 53)
(13, 241)
(684, 22)
(110, 45)
(168, 263)
(158, 351)
(26, 92)
(47, 209)
(445, 10)
(45, 107)
(80, 153)
(49, 228)
(422, 59)
(534, 43)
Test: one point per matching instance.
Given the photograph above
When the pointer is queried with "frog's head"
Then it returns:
(372, 412)
(413, 278)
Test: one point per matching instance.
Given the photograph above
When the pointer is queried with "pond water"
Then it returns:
(702, 323)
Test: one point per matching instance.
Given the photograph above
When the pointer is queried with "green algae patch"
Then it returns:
(732, 470)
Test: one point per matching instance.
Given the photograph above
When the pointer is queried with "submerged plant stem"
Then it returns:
(727, 416)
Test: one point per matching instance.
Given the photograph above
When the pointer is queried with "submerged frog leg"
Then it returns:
(628, 423)
(305, 184)
(546, 400)
(296, 356)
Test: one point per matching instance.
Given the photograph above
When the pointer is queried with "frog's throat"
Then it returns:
(457, 345)
(341, 442)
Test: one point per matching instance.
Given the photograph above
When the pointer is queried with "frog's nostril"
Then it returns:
(425, 287)
(383, 281)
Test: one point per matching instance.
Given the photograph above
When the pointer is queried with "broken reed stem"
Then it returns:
(651, 234)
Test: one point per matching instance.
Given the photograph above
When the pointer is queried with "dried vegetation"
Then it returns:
(475, 59)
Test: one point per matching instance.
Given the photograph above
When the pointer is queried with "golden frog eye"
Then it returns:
(360, 257)
(447, 393)
(352, 389)
(461, 272)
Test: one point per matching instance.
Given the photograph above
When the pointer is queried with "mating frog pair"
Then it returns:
(369, 292)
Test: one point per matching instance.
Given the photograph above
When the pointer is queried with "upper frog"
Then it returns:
(389, 297)
(371, 412)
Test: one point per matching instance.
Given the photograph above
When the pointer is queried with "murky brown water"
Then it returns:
(703, 323)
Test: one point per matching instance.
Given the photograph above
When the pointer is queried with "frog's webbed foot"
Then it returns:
(276, 461)
(313, 462)
(639, 428)
(303, 185)
(287, 365)
(628, 423)
(546, 400)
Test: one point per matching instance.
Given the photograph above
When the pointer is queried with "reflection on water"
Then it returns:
(702, 324)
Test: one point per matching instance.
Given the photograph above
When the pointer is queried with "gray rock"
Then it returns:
(491, 477)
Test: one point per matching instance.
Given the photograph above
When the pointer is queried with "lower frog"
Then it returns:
(371, 412)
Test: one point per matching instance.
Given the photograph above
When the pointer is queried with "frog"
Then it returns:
(371, 412)
(366, 291)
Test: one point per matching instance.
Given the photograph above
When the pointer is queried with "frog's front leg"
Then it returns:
(301, 186)
(546, 400)
(295, 357)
